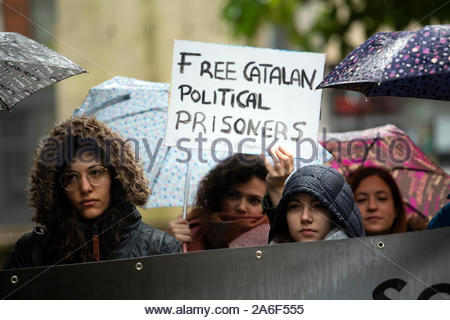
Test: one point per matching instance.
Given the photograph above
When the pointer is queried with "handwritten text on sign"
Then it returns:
(243, 99)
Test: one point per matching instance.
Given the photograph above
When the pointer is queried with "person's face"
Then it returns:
(91, 196)
(307, 218)
(246, 198)
(374, 199)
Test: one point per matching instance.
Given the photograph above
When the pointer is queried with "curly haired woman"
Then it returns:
(229, 202)
(84, 188)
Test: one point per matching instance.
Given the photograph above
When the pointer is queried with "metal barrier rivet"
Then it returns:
(139, 266)
(14, 279)
(380, 244)
(258, 254)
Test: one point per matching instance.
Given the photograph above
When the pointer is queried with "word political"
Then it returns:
(223, 96)
(61, 152)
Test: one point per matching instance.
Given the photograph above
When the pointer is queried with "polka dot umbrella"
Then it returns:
(404, 63)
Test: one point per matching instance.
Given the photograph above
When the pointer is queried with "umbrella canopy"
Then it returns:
(406, 63)
(170, 181)
(424, 186)
(137, 110)
(27, 66)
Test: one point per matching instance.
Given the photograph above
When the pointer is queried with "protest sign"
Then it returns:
(244, 99)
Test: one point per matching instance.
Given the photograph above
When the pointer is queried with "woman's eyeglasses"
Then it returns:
(71, 180)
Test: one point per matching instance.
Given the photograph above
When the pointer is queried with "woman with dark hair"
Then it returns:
(84, 188)
(228, 202)
(316, 204)
(379, 200)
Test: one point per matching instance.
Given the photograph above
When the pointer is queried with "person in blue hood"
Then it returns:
(316, 204)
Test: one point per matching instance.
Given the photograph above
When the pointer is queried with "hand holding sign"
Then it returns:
(179, 229)
(283, 165)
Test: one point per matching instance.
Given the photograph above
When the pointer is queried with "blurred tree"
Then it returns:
(311, 24)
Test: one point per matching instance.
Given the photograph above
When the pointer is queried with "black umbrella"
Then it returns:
(27, 66)
(406, 64)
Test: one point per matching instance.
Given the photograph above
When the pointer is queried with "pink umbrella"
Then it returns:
(423, 184)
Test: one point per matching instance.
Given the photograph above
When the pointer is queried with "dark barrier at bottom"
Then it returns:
(412, 265)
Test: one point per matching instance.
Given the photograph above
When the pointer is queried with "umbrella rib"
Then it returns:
(414, 209)
(136, 113)
(419, 170)
(111, 102)
(155, 179)
(5, 107)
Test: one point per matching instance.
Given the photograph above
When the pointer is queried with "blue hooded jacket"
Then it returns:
(331, 189)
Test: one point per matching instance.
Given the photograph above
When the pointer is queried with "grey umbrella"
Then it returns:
(27, 66)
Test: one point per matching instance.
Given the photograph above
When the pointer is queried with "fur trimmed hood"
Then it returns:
(53, 153)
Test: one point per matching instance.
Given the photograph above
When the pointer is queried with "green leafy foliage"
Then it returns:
(331, 18)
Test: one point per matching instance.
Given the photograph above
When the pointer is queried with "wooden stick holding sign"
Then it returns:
(186, 197)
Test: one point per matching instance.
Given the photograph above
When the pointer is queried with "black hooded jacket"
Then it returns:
(331, 189)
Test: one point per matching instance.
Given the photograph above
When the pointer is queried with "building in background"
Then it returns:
(129, 38)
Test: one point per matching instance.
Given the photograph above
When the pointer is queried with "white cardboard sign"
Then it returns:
(244, 99)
